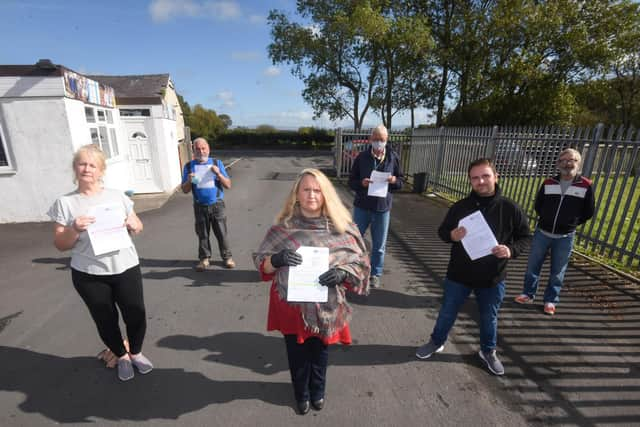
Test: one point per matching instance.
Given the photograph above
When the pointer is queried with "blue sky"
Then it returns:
(215, 51)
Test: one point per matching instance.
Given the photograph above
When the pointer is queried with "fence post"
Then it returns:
(490, 150)
(587, 165)
(440, 155)
(338, 152)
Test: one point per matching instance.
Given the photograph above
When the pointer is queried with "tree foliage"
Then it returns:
(205, 123)
(328, 56)
(476, 62)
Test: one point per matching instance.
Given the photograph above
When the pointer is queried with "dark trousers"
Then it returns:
(308, 366)
(102, 294)
(207, 218)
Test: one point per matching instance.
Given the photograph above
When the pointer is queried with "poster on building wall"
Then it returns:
(87, 90)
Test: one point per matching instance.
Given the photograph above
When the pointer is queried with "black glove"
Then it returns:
(332, 277)
(286, 257)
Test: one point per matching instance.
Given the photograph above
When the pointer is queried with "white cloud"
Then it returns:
(226, 98)
(245, 56)
(164, 10)
(272, 71)
(257, 19)
(223, 9)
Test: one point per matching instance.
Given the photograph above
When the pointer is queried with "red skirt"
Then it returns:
(288, 320)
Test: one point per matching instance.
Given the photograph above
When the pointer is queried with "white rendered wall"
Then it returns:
(163, 139)
(117, 173)
(162, 133)
(37, 134)
(24, 86)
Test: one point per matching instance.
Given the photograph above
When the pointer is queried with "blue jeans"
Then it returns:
(488, 300)
(379, 222)
(560, 254)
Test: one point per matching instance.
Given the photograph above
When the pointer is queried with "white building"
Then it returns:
(48, 111)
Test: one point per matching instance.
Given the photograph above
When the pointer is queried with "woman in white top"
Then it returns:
(107, 280)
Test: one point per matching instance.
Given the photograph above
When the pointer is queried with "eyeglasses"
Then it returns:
(568, 161)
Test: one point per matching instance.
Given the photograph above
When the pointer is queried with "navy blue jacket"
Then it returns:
(561, 214)
(362, 167)
(509, 224)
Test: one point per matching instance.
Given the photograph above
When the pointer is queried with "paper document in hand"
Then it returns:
(479, 239)
(379, 185)
(303, 279)
(108, 233)
(205, 176)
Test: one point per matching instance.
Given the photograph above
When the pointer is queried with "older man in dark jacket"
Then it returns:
(373, 211)
(562, 204)
(484, 276)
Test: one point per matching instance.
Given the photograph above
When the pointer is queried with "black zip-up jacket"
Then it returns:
(362, 167)
(561, 214)
(509, 224)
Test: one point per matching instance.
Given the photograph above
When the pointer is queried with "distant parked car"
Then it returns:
(512, 160)
(352, 148)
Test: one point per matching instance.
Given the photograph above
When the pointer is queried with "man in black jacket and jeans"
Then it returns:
(483, 276)
(371, 211)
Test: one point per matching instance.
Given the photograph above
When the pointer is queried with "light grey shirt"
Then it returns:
(70, 206)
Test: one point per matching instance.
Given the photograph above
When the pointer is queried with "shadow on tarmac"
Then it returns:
(178, 268)
(63, 262)
(86, 391)
(266, 354)
(578, 367)
(387, 298)
(217, 277)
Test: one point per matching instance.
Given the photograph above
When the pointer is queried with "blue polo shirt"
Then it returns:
(205, 196)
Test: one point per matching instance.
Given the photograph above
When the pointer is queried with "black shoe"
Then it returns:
(318, 404)
(303, 407)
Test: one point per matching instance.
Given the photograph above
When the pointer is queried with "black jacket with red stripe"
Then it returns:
(561, 214)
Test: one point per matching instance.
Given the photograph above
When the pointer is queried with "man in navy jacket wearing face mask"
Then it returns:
(372, 211)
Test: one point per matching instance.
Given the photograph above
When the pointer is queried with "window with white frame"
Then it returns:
(102, 130)
(5, 161)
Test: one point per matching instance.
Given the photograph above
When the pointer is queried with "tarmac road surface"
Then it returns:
(215, 365)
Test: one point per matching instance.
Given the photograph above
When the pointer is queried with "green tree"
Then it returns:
(264, 128)
(329, 57)
(226, 119)
(398, 42)
(186, 109)
(205, 123)
(516, 61)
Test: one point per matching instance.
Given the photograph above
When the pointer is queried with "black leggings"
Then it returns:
(101, 294)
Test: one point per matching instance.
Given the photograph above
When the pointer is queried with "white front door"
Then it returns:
(140, 159)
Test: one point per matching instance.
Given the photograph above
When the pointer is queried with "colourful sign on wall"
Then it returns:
(87, 90)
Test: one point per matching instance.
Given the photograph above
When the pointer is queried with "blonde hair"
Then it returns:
(332, 207)
(91, 150)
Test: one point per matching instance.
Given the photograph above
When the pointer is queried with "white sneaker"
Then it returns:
(142, 364)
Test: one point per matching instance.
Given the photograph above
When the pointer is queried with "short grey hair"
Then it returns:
(574, 152)
(380, 130)
(200, 139)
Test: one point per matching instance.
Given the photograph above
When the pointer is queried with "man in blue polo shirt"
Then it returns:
(208, 178)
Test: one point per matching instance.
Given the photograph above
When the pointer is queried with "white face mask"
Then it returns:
(378, 145)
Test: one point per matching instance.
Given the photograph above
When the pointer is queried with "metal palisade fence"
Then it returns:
(438, 158)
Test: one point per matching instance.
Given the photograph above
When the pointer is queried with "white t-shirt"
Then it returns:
(72, 205)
